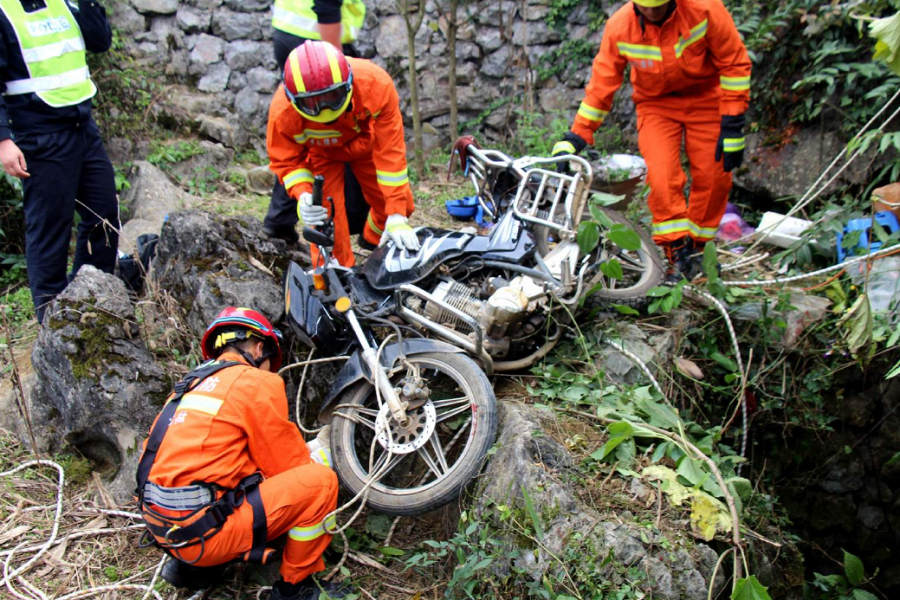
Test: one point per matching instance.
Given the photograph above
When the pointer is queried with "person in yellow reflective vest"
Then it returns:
(50, 141)
(339, 23)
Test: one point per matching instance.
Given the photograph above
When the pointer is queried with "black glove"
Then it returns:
(570, 144)
(730, 146)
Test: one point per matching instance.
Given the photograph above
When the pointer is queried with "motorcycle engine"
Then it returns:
(505, 309)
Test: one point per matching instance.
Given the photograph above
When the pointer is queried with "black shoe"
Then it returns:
(308, 589)
(681, 263)
(283, 232)
(183, 575)
(365, 244)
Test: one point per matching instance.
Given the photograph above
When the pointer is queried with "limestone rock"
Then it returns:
(236, 25)
(260, 179)
(152, 196)
(220, 129)
(209, 262)
(262, 80)
(791, 169)
(156, 7)
(248, 5)
(216, 79)
(241, 55)
(99, 388)
(653, 349)
(126, 20)
(193, 20)
(498, 63)
(572, 531)
(207, 50)
(391, 40)
(246, 102)
(212, 161)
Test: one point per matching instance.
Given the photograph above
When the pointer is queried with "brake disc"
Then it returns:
(405, 440)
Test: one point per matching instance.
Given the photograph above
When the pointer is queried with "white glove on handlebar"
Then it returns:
(309, 214)
(397, 229)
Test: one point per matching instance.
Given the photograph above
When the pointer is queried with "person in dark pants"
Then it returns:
(337, 22)
(49, 139)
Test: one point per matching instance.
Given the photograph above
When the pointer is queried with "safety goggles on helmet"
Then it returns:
(312, 104)
(651, 3)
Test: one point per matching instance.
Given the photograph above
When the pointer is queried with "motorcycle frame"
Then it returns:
(574, 186)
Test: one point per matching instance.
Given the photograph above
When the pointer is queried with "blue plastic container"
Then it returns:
(463, 209)
(886, 219)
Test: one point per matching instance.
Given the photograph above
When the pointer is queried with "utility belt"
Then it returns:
(173, 534)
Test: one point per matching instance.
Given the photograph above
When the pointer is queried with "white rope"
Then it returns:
(843, 265)
(641, 365)
(812, 193)
(18, 573)
(740, 363)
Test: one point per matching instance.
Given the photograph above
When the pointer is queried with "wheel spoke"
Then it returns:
(435, 442)
(631, 264)
(452, 413)
(367, 411)
(450, 401)
(395, 460)
(423, 452)
(359, 418)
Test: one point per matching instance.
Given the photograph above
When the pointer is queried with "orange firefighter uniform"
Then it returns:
(368, 136)
(228, 427)
(687, 73)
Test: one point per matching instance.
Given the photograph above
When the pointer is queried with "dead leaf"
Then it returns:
(86, 316)
(14, 533)
(95, 523)
(260, 266)
(55, 556)
(688, 368)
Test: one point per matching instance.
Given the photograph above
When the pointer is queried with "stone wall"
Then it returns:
(223, 48)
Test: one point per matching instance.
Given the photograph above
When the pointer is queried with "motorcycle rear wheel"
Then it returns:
(436, 472)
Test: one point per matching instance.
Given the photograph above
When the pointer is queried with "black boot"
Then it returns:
(308, 589)
(283, 232)
(183, 575)
(678, 254)
(364, 243)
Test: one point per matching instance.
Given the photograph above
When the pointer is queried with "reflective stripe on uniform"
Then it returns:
(322, 456)
(697, 33)
(298, 176)
(639, 51)
(735, 84)
(315, 134)
(47, 82)
(33, 55)
(392, 178)
(201, 403)
(191, 497)
(307, 534)
(287, 21)
(372, 224)
(733, 144)
(673, 226)
(590, 113)
(704, 232)
(563, 148)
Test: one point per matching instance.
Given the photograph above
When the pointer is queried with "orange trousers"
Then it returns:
(296, 502)
(662, 125)
(330, 165)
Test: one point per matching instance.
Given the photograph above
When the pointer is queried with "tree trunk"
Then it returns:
(412, 26)
(452, 26)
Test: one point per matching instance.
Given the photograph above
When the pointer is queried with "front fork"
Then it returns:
(369, 354)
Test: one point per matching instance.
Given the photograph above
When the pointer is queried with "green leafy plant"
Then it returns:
(843, 587)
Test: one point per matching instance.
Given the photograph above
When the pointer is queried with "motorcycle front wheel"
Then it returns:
(426, 464)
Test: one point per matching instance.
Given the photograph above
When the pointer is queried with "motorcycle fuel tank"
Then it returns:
(388, 267)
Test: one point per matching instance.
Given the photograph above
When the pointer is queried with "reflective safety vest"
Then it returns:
(298, 18)
(54, 54)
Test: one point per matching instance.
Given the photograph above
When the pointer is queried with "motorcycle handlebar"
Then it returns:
(318, 184)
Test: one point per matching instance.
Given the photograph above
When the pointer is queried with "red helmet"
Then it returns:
(318, 81)
(238, 324)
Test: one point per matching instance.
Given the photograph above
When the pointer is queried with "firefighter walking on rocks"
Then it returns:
(691, 77)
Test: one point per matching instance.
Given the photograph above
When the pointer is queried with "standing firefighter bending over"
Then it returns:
(691, 77)
(331, 111)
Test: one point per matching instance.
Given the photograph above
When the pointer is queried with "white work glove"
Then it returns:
(397, 229)
(309, 214)
(320, 448)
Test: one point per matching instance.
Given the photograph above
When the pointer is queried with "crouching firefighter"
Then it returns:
(224, 470)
